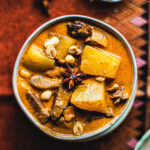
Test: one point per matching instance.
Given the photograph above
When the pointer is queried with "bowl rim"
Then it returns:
(142, 141)
(111, 125)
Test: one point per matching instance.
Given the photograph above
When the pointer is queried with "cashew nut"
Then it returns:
(78, 128)
(69, 59)
(46, 95)
(25, 74)
(74, 50)
(50, 45)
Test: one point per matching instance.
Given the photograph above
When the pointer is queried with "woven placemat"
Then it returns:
(18, 19)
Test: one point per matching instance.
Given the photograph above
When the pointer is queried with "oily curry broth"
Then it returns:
(123, 77)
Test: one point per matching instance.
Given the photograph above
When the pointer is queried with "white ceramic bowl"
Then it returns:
(117, 120)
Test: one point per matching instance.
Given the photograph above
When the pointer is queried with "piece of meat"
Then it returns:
(119, 95)
(78, 29)
(56, 72)
(42, 82)
(61, 102)
(48, 104)
(124, 97)
(41, 113)
(69, 113)
(63, 123)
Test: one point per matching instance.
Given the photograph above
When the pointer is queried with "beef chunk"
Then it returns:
(69, 113)
(119, 95)
(61, 102)
(63, 123)
(78, 29)
(41, 113)
(42, 82)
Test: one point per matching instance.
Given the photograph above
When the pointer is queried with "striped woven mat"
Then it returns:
(18, 19)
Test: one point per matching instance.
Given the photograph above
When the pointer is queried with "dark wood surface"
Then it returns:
(18, 19)
(147, 124)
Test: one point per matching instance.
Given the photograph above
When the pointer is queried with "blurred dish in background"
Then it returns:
(144, 143)
(111, 1)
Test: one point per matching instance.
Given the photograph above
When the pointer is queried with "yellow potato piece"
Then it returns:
(100, 63)
(90, 96)
(36, 60)
(63, 46)
(100, 37)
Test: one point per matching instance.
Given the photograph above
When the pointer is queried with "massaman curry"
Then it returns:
(74, 78)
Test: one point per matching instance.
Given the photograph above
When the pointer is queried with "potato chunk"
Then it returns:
(63, 46)
(100, 63)
(99, 37)
(35, 59)
(90, 96)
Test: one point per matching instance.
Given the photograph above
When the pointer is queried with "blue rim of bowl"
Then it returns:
(143, 140)
(117, 120)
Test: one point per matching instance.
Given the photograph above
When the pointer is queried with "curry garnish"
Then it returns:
(72, 76)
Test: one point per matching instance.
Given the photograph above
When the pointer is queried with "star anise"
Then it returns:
(72, 76)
